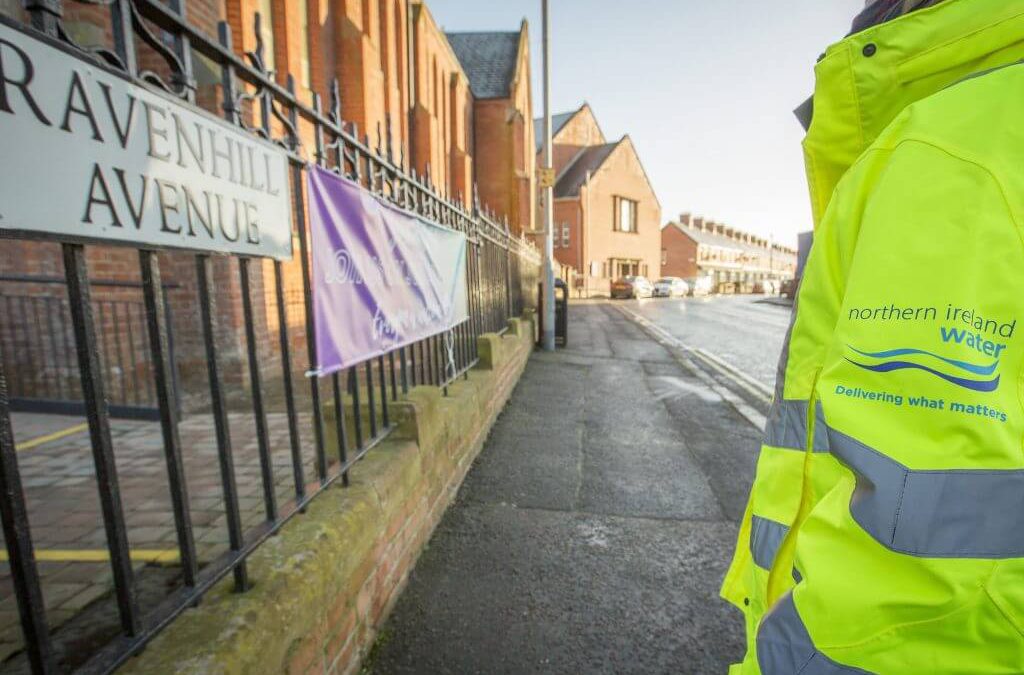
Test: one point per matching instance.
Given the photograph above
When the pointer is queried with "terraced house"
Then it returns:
(736, 261)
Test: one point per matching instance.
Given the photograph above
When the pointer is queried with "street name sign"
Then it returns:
(88, 155)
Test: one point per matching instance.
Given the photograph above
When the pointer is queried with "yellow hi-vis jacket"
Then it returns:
(885, 528)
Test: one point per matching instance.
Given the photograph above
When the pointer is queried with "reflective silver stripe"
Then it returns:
(934, 514)
(784, 646)
(787, 426)
(765, 538)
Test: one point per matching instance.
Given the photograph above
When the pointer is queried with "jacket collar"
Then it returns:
(866, 80)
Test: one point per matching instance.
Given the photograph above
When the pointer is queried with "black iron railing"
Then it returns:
(502, 270)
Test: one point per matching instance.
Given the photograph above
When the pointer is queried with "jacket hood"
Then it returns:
(880, 11)
(863, 82)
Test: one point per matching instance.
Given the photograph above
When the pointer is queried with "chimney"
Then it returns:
(720, 228)
(685, 219)
(698, 223)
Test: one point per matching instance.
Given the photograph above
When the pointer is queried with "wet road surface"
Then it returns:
(744, 331)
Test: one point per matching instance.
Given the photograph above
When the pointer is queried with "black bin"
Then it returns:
(561, 313)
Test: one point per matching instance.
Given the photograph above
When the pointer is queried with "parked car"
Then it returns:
(700, 286)
(632, 287)
(671, 287)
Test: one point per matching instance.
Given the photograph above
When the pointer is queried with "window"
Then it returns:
(267, 32)
(625, 214)
(565, 235)
(304, 68)
(625, 268)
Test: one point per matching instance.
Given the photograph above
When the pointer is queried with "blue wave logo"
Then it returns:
(895, 359)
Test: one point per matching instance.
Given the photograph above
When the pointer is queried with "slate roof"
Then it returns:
(589, 160)
(720, 240)
(557, 122)
(489, 60)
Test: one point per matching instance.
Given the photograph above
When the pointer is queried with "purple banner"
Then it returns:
(383, 278)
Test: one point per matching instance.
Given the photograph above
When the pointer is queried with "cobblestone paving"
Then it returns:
(64, 511)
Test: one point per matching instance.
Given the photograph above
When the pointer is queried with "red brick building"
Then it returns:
(498, 66)
(399, 77)
(692, 247)
(606, 215)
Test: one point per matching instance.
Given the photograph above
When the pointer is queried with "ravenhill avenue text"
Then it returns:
(96, 156)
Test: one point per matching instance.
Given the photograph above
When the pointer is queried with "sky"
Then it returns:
(705, 89)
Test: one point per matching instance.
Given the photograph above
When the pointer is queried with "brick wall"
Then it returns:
(593, 237)
(579, 132)
(506, 171)
(442, 109)
(333, 574)
(569, 212)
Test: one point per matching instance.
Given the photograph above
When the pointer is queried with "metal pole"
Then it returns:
(549, 208)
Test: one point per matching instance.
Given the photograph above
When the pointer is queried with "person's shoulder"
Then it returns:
(980, 117)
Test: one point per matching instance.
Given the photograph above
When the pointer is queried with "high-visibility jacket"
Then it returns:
(885, 528)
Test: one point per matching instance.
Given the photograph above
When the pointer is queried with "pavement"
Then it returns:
(594, 529)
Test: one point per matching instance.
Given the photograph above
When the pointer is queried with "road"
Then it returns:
(744, 331)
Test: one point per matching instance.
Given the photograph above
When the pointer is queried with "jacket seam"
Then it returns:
(966, 606)
(899, 507)
(856, 97)
(806, 663)
(958, 38)
(999, 607)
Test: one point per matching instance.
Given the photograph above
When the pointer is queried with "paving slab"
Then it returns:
(593, 531)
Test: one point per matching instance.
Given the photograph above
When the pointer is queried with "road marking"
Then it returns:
(55, 436)
(165, 556)
(688, 355)
(755, 387)
(677, 386)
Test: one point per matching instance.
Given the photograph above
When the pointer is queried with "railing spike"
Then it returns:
(379, 140)
(336, 101)
(260, 50)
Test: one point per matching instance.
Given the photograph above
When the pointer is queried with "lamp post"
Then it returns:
(548, 320)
